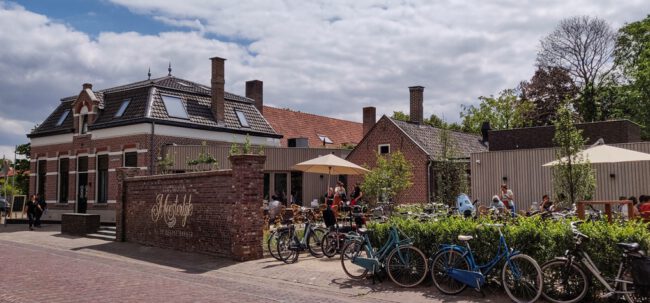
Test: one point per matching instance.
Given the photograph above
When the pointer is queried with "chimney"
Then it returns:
(218, 81)
(485, 128)
(417, 104)
(87, 86)
(369, 118)
(255, 91)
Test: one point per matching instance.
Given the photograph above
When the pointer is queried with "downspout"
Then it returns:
(151, 148)
(429, 164)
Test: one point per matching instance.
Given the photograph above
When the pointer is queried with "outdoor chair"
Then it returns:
(482, 210)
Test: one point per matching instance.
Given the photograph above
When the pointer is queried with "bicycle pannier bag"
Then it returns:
(641, 271)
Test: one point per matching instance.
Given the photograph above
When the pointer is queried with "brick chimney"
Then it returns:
(87, 86)
(417, 104)
(218, 94)
(369, 118)
(255, 91)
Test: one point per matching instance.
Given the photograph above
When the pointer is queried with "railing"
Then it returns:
(580, 208)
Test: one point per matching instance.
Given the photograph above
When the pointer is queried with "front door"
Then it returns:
(82, 185)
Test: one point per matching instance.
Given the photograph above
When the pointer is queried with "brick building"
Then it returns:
(420, 144)
(76, 150)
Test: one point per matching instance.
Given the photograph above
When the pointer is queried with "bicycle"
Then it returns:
(289, 245)
(453, 269)
(566, 280)
(405, 264)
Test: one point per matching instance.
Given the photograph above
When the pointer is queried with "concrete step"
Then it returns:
(106, 232)
(113, 228)
(101, 236)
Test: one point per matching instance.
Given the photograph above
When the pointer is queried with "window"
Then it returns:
(242, 119)
(122, 108)
(84, 124)
(384, 149)
(280, 187)
(296, 187)
(42, 177)
(325, 139)
(131, 159)
(174, 107)
(64, 170)
(102, 178)
(62, 118)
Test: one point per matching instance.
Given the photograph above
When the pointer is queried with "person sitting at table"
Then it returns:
(329, 215)
(644, 206)
(274, 208)
(547, 204)
(356, 194)
(497, 204)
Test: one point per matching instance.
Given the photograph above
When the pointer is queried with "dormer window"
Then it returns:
(122, 108)
(83, 120)
(242, 119)
(174, 107)
(62, 118)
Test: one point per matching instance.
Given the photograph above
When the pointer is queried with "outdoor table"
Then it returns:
(608, 208)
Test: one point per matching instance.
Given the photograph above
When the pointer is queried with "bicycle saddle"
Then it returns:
(465, 237)
(629, 246)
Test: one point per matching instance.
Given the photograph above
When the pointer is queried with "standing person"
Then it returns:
(507, 197)
(30, 209)
(356, 194)
(340, 194)
(41, 206)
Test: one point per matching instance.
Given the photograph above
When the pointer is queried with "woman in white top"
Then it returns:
(507, 197)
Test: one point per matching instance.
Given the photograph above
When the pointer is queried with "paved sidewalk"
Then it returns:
(75, 269)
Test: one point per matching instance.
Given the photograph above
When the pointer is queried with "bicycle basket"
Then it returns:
(641, 271)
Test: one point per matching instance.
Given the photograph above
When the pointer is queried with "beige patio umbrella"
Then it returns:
(330, 164)
(607, 154)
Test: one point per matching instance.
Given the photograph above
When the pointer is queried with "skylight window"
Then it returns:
(63, 116)
(325, 139)
(242, 119)
(183, 84)
(174, 107)
(123, 107)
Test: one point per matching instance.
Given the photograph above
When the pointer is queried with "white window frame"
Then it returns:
(126, 151)
(187, 115)
(325, 138)
(123, 106)
(62, 118)
(242, 118)
(83, 113)
(58, 179)
(382, 145)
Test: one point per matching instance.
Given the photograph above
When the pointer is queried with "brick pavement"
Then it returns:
(76, 269)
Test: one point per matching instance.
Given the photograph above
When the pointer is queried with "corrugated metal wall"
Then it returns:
(529, 180)
(278, 160)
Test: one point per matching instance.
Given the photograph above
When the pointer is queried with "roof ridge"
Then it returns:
(306, 113)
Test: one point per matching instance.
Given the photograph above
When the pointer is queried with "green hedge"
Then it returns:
(541, 239)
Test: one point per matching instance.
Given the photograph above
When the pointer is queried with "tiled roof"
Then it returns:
(294, 124)
(146, 104)
(428, 137)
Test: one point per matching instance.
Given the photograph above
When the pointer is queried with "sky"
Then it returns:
(326, 57)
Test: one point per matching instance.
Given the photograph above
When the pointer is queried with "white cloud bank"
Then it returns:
(325, 57)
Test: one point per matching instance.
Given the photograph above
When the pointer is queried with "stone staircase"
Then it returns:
(104, 233)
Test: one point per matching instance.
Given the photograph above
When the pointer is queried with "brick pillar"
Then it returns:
(417, 104)
(255, 91)
(246, 230)
(122, 174)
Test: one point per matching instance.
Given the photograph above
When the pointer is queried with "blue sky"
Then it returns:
(324, 57)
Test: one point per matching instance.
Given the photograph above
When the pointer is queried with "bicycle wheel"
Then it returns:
(522, 278)
(330, 243)
(442, 262)
(406, 266)
(564, 283)
(636, 294)
(284, 248)
(352, 249)
(272, 244)
(315, 241)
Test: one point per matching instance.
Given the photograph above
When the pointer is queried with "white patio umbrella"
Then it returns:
(607, 154)
(330, 164)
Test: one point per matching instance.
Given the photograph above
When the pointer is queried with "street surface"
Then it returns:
(45, 266)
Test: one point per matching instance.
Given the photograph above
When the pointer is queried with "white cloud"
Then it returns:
(325, 57)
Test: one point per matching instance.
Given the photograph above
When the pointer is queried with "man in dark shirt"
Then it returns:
(40, 210)
(30, 209)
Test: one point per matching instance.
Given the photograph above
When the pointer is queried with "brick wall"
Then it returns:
(621, 131)
(385, 132)
(216, 212)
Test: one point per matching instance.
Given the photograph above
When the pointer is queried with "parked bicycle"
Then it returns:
(335, 239)
(272, 241)
(289, 244)
(566, 278)
(405, 264)
(453, 268)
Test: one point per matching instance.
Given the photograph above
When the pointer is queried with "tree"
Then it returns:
(549, 88)
(584, 47)
(401, 116)
(632, 58)
(503, 112)
(573, 177)
(21, 166)
(391, 176)
(451, 178)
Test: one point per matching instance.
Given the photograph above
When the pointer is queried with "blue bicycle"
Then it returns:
(454, 268)
(405, 264)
